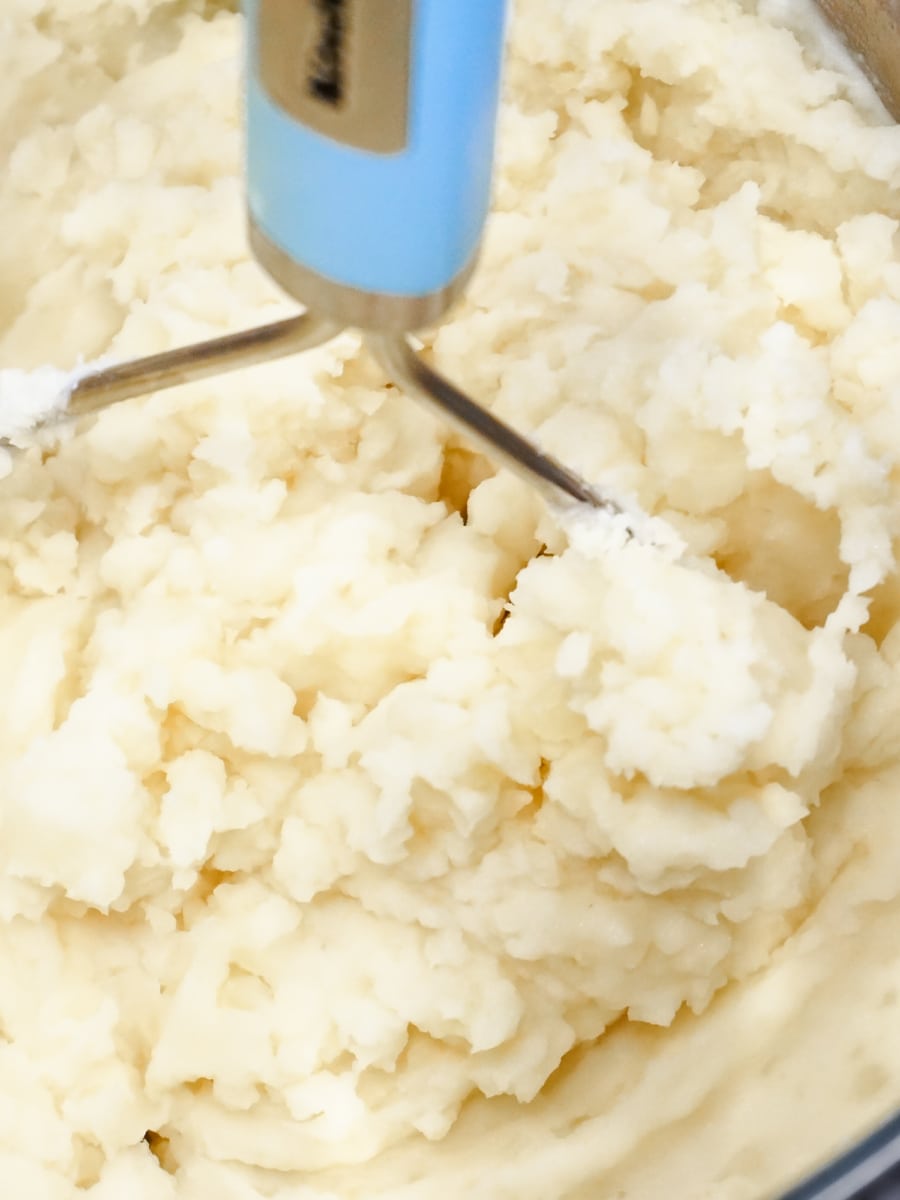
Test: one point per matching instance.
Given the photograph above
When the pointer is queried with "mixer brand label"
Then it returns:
(326, 78)
(340, 67)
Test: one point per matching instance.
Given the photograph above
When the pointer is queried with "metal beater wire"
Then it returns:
(402, 364)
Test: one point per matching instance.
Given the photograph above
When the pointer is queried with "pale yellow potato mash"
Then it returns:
(322, 875)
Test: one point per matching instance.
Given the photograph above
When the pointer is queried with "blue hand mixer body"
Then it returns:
(370, 147)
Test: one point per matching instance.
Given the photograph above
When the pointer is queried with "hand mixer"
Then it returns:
(370, 142)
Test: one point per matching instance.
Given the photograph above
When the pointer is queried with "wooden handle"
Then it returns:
(871, 29)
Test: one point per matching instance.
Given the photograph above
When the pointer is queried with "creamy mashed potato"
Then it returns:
(364, 830)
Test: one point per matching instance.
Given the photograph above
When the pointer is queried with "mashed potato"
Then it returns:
(366, 832)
